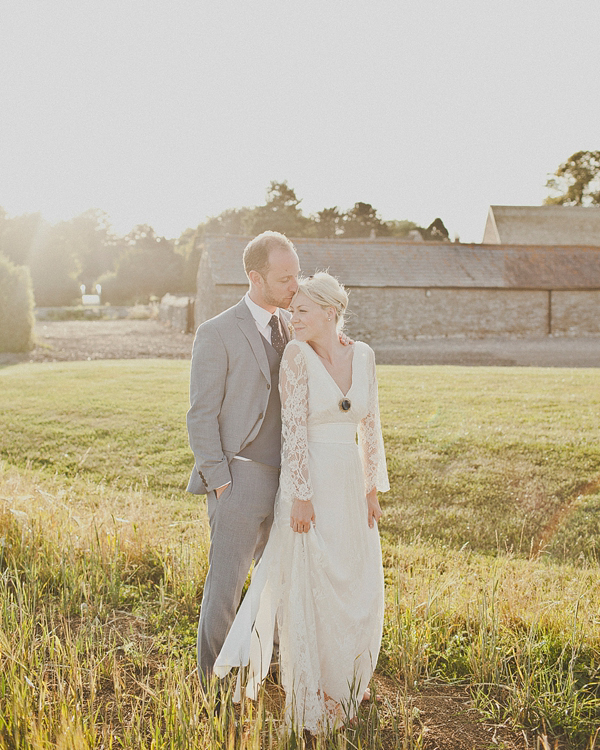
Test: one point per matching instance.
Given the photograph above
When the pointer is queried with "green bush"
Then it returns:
(16, 308)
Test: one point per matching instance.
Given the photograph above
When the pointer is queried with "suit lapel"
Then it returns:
(248, 326)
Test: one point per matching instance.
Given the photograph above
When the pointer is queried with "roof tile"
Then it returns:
(393, 263)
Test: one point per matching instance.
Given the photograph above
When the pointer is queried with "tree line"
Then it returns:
(576, 182)
(85, 251)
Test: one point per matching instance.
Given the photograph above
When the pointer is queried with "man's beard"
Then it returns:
(270, 299)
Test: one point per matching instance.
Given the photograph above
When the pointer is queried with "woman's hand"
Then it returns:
(373, 508)
(302, 515)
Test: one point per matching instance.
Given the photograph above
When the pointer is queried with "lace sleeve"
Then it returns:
(370, 438)
(293, 388)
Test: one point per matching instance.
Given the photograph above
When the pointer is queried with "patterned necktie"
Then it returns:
(277, 341)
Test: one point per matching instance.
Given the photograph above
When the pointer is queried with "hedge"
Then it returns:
(16, 308)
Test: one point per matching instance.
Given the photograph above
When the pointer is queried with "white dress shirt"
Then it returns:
(261, 317)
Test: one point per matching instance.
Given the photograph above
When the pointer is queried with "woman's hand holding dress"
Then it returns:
(373, 508)
(302, 515)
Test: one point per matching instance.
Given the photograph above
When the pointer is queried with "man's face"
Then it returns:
(280, 282)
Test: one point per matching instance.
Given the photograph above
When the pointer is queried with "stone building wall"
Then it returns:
(178, 312)
(381, 316)
(211, 298)
(399, 290)
(575, 313)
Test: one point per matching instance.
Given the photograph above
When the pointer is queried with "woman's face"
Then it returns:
(309, 319)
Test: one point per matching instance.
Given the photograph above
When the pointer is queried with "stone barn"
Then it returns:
(402, 290)
(543, 225)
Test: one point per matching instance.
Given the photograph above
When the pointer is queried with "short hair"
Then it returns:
(256, 252)
(326, 291)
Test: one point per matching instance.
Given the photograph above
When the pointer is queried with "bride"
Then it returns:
(320, 578)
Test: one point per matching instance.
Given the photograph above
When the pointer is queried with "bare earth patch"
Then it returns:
(438, 717)
(139, 339)
(499, 351)
(104, 339)
(445, 718)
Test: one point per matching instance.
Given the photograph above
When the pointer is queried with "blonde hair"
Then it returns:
(325, 290)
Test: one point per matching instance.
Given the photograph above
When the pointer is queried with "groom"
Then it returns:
(234, 427)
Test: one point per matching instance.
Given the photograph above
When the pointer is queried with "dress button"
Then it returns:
(260, 416)
(268, 386)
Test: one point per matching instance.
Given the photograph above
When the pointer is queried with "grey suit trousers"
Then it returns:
(240, 521)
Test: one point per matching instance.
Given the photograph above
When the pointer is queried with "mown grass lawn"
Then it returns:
(496, 458)
(491, 535)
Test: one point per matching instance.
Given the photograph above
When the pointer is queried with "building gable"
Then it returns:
(543, 225)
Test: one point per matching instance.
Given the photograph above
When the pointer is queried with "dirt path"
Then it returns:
(444, 718)
(547, 351)
(138, 339)
(105, 339)
(436, 717)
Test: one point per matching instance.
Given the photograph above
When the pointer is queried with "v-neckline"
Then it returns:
(333, 380)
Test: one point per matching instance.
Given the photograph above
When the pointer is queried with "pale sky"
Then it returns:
(169, 111)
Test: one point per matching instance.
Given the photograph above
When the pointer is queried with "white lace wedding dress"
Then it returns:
(325, 587)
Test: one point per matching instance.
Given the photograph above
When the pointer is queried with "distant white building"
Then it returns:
(90, 299)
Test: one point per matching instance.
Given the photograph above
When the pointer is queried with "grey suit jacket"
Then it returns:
(229, 390)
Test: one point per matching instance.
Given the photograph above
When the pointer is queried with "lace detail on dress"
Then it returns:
(324, 588)
(293, 388)
(298, 652)
(370, 439)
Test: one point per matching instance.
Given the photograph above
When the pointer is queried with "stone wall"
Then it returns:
(575, 313)
(178, 312)
(212, 298)
(380, 316)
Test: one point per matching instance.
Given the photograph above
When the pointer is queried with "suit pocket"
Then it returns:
(226, 492)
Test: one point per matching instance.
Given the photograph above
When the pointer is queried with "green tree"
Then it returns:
(16, 307)
(281, 213)
(18, 235)
(230, 221)
(362, 220)
(435, 232)
(400, 228)
(577, 181)
(189, 247)
(54, 267)
(329, 223)
(93, 244)
(149, 267)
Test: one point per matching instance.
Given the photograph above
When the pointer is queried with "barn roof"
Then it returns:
(543, 225)
(388, 262)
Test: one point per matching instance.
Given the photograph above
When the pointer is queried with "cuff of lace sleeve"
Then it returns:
(380, 487)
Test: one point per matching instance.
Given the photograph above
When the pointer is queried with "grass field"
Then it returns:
(491, 539)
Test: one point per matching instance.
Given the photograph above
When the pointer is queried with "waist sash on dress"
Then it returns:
(332, 432)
